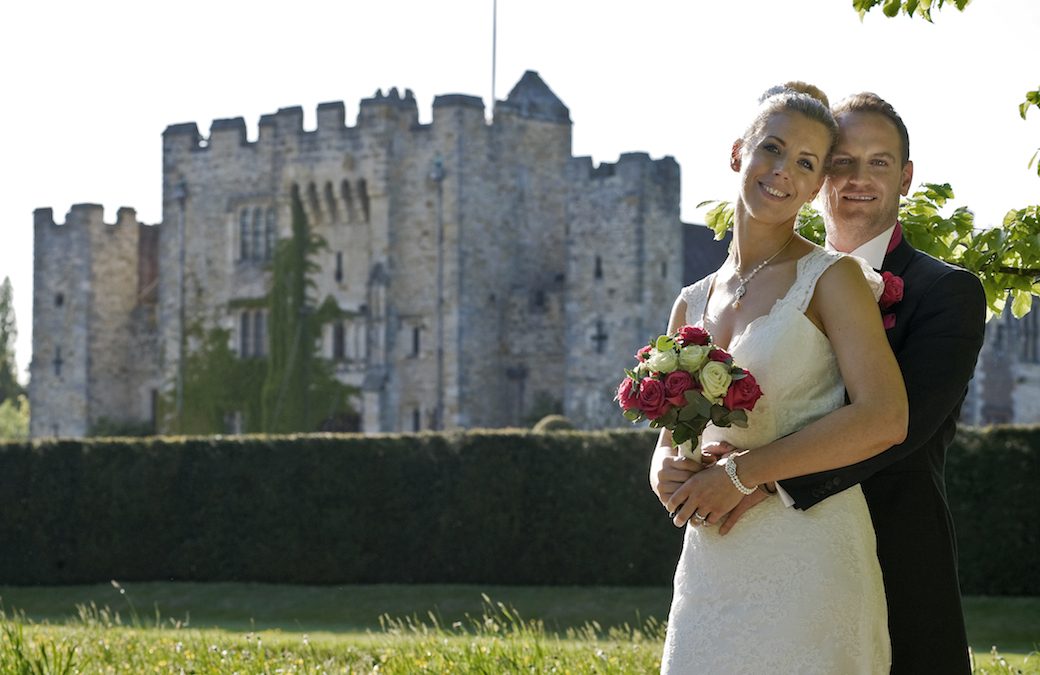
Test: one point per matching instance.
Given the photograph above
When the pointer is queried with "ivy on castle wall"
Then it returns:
(300, 389)
(293, 388)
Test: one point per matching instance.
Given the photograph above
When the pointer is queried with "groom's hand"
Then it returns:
(749, 501)
(668, 472)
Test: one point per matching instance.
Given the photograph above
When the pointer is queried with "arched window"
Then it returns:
(330, 201)
(313, 203)
(256, 246)
(270, 232)
(243, 235)
(259, 333)
(339, 342)
(245, 345)
(362, 189)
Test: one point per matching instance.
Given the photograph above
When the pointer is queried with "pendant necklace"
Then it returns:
(744, 281)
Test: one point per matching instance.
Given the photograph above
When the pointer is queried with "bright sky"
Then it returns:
(90, 86)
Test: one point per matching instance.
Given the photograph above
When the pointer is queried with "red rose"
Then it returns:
(675, 384)
(626, 397)
(719, 355)
(652, 398)
(893, 292)
(743, 393)
(888, 321)
(692, 335)
(643, 354)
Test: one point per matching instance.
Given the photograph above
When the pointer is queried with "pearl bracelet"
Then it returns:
(731, 471)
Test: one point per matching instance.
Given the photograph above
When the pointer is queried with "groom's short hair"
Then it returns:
(871, 102)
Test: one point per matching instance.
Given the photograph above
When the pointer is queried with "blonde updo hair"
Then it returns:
(797, 97)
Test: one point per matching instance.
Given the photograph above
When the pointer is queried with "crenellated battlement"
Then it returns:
(86, 214)
(663, 171)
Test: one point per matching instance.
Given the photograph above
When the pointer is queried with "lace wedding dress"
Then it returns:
(786, 591)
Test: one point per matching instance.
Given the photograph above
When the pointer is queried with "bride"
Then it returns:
(788, 591)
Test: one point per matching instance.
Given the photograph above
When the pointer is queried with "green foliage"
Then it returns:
(9, 386)
(481, 507)
(300, 389)
(14, 419)
(553, 423)
(1032, 100)
(217, 383)
(921, 8)
(292, 389)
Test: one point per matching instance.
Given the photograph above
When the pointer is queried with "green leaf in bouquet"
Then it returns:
(738, 418)
(720, 415)
(701, 405)
(632, 375)
(737, 373)
(669, 418)
(689, 413)
(632, 415)
(656, 424)
(664, 343)
(681, 434)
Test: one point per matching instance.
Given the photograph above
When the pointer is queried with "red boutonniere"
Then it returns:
(892, 294)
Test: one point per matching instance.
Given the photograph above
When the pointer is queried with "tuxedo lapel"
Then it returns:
(897, 262)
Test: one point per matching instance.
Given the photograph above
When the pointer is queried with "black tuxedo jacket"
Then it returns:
(938, 331)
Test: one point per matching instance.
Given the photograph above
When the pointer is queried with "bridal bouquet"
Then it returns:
(684, 381)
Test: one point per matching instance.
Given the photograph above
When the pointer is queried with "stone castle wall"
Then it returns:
(463, 253)
(93, 329)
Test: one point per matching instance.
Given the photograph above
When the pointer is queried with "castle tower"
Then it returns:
(94, 349)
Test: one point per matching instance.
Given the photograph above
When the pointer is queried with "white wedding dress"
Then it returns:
(786, 591)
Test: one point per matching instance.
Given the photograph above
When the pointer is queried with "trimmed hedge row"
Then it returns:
(504, 507)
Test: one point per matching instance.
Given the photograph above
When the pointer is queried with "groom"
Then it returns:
(935, 328)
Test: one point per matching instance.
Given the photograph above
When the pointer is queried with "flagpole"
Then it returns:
(494, 52)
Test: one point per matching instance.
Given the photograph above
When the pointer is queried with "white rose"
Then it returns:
(663, 362)
(715, 379)
(691, 358)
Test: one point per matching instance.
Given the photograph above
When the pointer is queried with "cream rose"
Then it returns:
(663, 362)
(692, 358)
(715, 379)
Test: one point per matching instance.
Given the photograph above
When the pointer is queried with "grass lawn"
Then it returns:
(344, 631)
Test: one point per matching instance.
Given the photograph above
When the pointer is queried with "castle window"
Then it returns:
(259, 333)
(58, 361)
(245, 345)
(59, 299)
(330, 200)
(416, 419)
(243, 235)
(256, 246)
(339, 266)
(339, 342)
(600, 338)
(363, 197)
(270, 230)
(598, 274)
(348, 200)
(416, 334)
(664, 269)
(312, 201)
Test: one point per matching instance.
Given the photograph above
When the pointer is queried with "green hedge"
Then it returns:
(503, 507)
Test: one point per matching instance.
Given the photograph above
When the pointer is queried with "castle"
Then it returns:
(486, 274)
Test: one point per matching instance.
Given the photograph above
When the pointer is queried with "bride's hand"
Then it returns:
(709, 493)
(669, 472)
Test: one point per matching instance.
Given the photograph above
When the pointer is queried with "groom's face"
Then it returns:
(865, 180)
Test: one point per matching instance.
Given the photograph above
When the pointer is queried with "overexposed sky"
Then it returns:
(88, 88)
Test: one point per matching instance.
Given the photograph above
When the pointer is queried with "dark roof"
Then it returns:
(532, 98)
(702, 254)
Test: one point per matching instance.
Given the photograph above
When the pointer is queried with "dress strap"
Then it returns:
(696, 297)
(810, 268)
